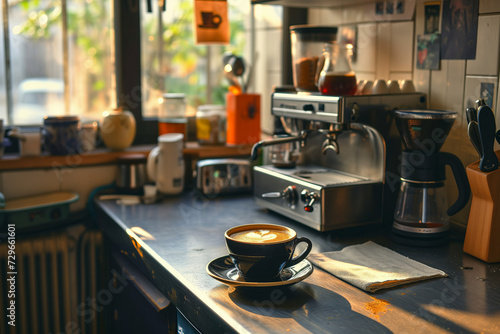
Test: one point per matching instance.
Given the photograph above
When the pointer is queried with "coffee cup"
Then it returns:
(261, 251)
(210, 19)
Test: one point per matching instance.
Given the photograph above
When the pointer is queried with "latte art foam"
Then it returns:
(261, 235)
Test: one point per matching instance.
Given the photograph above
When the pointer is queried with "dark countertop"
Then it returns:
(186, 233)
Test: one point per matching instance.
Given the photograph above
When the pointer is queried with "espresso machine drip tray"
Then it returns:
(321, 176)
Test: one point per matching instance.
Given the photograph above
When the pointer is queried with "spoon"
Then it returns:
(234, 67)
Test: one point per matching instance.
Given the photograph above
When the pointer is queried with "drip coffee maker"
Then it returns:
(422, 214)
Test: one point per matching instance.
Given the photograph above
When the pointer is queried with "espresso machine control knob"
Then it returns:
(289, 194)
(309, 198)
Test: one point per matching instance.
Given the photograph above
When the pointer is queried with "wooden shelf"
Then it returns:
(192, 150)
(313, 3)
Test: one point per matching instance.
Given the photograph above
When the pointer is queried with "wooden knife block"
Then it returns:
(482, 238)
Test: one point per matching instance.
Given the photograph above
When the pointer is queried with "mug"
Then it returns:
(165, 164)
(209, 19)
(261, 251)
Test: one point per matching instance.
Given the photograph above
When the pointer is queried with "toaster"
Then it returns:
(222, 176)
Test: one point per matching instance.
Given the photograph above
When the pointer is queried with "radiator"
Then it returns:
(56, 272)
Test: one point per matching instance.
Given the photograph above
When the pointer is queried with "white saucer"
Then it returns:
(223, 270)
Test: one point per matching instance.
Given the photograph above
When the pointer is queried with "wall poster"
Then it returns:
(459, 29)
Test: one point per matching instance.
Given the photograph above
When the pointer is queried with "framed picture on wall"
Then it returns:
(459, 29)
(428, 51)
(432, 11)
(487, 89)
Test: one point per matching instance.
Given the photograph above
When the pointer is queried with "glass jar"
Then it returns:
(172, 114)
(211, 124)
(307, 45)
(336, 76)
(61, 134)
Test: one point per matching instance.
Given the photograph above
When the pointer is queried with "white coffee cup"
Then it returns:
(379, 87)
(165, 164)
(407, 86)
(393, 87)
(367, 88)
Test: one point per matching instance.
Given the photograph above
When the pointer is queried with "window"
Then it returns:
(173, 63)
(62, 58)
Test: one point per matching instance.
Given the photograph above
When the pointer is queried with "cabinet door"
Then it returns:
(139, 307)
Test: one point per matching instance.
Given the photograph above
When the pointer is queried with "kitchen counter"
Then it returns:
(172, 241)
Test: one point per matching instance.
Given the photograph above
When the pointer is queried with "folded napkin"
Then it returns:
(372, 267)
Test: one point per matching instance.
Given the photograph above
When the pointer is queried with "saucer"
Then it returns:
(223, 270)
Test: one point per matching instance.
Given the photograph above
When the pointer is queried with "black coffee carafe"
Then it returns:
(422, 214)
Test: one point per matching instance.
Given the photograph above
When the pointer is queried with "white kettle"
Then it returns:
(165, 164)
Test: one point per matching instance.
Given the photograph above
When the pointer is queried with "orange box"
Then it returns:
(243, 118)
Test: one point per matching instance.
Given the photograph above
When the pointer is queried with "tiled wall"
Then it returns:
(386, 51)
(268, 42)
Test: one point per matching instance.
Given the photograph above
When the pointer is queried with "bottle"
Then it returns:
(172, 114)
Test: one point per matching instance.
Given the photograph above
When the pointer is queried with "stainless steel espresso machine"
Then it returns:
(337, 164)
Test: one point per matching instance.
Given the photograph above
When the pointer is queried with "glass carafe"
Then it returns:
(422, 206)
(336, 76)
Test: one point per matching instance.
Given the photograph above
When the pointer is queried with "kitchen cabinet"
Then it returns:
(137, 306)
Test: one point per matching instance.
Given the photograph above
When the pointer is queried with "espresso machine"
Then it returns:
(336, 165)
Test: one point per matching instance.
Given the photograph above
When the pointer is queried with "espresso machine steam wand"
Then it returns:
(275, 141)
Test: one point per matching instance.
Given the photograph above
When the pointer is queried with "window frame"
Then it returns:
(127, 23)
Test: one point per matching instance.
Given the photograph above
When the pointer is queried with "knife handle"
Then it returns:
(487, 133)
(473, 132)
(471, 114)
